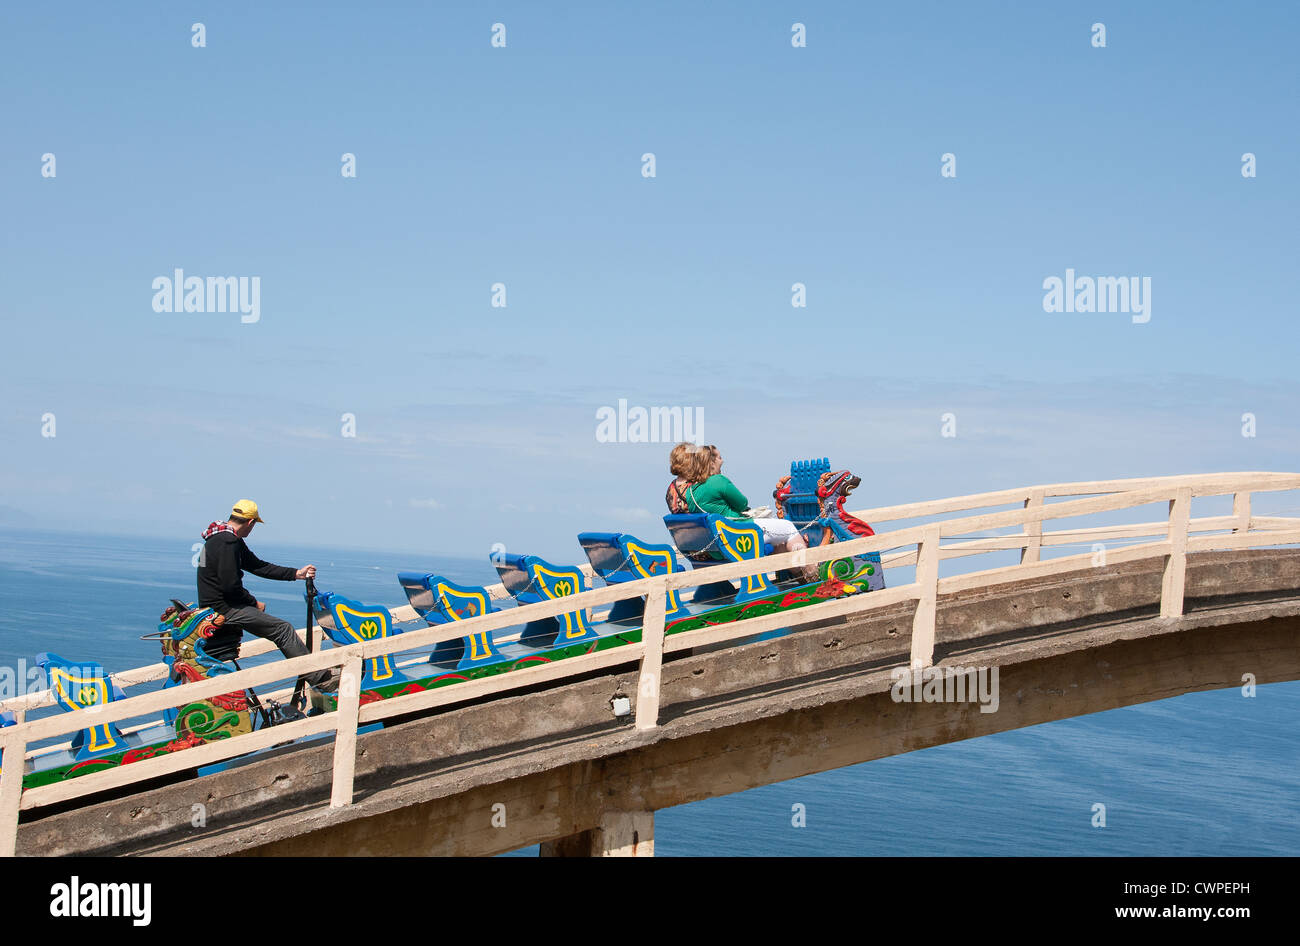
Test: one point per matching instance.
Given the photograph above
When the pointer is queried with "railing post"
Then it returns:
(652, 637)
(345, 737)
(1241, 512)
(927, 578)
(1033, 530)
(14, 747)
(1171, 589)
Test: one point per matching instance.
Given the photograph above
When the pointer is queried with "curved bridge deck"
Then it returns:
(556, 767)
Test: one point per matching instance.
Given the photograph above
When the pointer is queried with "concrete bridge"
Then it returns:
(538, 756)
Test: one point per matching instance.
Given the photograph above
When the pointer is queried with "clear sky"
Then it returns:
(522, 165)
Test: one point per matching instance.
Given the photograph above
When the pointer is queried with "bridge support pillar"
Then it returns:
(620, 834)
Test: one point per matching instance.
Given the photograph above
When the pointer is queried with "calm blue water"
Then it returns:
(1204, 774)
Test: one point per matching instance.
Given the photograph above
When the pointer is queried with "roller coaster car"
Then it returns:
(183, 632)
(812, 496)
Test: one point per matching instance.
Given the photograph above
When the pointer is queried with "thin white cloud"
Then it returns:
(631, 512)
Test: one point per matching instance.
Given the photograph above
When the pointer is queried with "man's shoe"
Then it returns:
(331, 685)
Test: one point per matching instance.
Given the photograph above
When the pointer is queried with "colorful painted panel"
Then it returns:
(81, 687)
(351, 622)
(649, 561)
(742, 543)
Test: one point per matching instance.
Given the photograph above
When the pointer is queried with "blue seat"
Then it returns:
(617, 557)
(530, 579)
(441, 601)
(513, 575)
(732, 540)
(6, 719)
(80, 686)
(606, 558)
(803, 506)
(741, 541)
(695, 540)
(350, 622)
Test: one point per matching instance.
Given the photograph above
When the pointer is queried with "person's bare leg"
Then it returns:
(795, 544)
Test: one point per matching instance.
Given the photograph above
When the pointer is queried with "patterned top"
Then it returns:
(676, 498)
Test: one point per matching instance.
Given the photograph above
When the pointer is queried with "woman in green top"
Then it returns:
(711, 492)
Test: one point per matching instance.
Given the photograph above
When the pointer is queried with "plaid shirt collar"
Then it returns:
(216, 527)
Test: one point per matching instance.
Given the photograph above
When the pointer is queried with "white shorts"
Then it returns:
(776, 531)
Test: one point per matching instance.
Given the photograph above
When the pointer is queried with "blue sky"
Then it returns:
(522, 165)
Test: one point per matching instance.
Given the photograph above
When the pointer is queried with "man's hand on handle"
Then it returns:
(307, 571)
(261, 605)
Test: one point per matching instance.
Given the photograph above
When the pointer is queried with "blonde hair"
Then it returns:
(678, 459)
(699, 464)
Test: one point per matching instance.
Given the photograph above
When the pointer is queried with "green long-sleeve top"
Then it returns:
(719, 496)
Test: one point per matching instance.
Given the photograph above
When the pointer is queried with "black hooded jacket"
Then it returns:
(220, 575)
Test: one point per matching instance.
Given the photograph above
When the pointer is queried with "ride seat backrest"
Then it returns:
(610, 561)
(513, 575)
(531, 579)
(350, 622)
(694, 538)
(606, 556)
(441, 601)
(802, 505)
(743, 541)
(650, 560)
(80, 686)
(456, 602)
(617, 557)
(418, 592)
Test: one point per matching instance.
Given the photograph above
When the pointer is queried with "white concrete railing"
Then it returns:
(255, 647)
(1177, 541)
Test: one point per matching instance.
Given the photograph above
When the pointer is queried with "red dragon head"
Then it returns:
(838, 485)
(832, 490)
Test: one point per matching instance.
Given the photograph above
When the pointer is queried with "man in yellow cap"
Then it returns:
(222, 564)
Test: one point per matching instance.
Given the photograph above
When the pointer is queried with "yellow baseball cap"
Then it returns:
(247, 509)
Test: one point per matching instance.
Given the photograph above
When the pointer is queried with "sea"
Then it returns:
(1214, 773)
